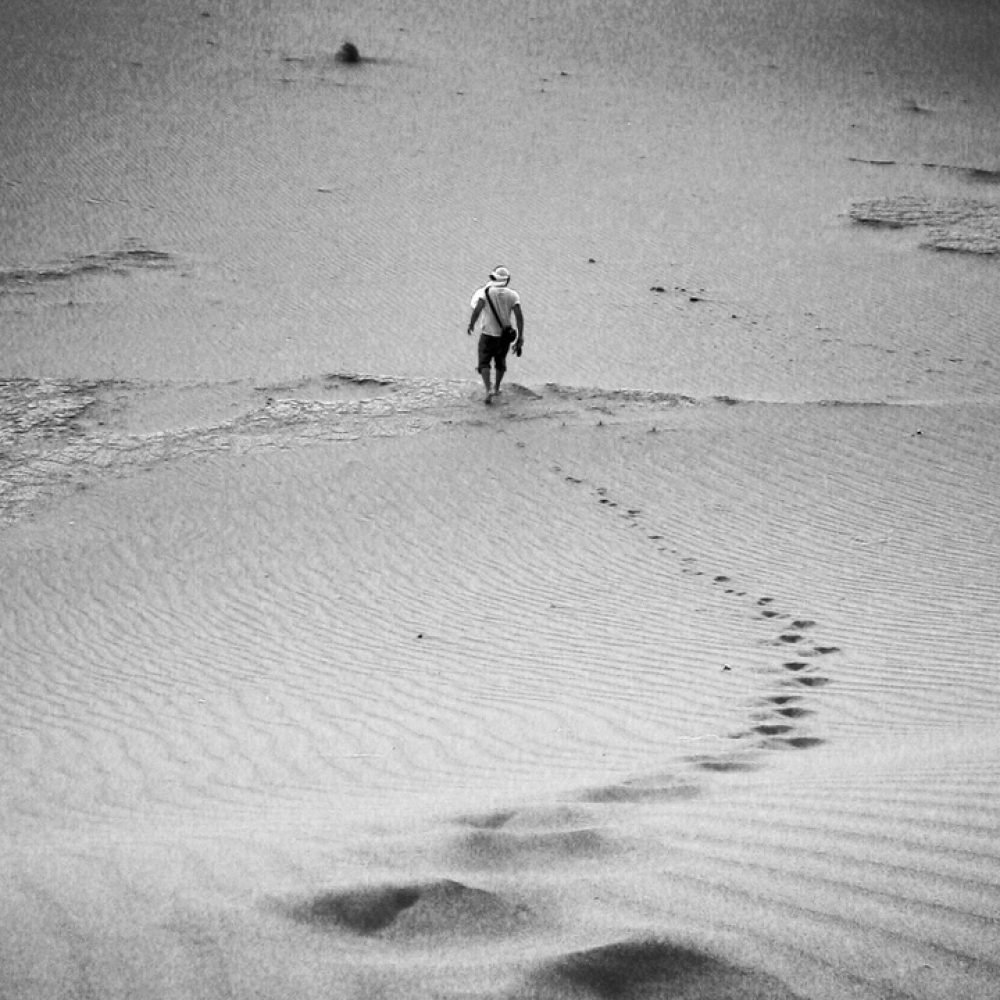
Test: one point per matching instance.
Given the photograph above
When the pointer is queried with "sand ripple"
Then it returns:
(588, 694)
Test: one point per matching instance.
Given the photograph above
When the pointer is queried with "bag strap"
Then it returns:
(496, 315)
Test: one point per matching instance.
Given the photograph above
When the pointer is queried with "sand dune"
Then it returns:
(673, 674)
(630, 743)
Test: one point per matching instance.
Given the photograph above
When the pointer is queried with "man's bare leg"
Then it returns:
(485, 374)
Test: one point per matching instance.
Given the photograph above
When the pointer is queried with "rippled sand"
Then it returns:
(673, 674)
(369, 687)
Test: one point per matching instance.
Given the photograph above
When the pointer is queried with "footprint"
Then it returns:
(488, 821)
(772, 730)
(444, 907)
(653, 789)
(723, 764)
(804, 742)
(529, 818)
(794, 713)
(812, 681)
(648, 968)
(363, 911)
(520, 849)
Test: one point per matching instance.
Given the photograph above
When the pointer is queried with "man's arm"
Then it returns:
(475, 315)
(519, 316)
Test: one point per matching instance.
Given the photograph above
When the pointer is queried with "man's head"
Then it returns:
(500, 275)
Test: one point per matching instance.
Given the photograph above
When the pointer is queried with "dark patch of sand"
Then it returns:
(419, 909)
(650, 968)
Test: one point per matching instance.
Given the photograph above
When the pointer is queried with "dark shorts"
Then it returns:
(492, 349)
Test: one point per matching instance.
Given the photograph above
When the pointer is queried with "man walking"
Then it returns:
(493, 305)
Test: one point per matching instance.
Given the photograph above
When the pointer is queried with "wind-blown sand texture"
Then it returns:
(674, 674)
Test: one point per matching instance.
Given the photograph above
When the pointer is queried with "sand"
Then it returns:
(673, 673)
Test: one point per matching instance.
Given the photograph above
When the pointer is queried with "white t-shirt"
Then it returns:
(503, 299)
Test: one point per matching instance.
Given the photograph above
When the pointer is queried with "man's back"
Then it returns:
(504, 299)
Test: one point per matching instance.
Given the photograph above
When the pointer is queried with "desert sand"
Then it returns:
(672, 674)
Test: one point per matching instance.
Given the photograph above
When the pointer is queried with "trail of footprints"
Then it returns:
(776, 719)
(501, 845)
